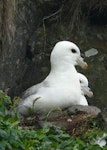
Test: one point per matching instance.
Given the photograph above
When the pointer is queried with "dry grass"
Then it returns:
(81, 9)
(73, 12)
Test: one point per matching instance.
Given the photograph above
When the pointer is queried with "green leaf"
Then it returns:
(2, 147)
(3, 134)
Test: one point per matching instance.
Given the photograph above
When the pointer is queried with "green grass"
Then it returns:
(14, 137)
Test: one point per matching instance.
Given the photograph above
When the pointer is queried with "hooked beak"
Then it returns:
(82, 63)
(87, 91)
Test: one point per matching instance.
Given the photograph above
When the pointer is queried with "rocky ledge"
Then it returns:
(75, 120)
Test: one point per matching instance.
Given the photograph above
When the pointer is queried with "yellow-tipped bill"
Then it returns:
(82, 63)
(87, 91)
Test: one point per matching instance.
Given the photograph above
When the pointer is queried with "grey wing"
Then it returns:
(34, 89)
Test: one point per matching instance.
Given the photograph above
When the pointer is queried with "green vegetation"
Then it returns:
(14, 137)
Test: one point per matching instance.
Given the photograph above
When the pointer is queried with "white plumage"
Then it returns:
(61, 88)
(85, 90)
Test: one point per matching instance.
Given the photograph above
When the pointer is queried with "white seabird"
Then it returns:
(85, 90)
(61, 88)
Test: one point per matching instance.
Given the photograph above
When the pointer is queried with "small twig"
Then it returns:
(45, 18)
(34, 103)
(75, 14)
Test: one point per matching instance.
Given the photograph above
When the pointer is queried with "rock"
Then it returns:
(76, 119)
(104, 116)
(16, 54)
(87, 109)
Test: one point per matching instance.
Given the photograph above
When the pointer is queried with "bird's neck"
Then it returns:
(63, 68)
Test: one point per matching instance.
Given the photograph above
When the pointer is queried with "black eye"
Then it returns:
(73, 50)
(80, 81)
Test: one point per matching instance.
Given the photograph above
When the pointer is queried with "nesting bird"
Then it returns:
(85, 90)
(62, 86)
